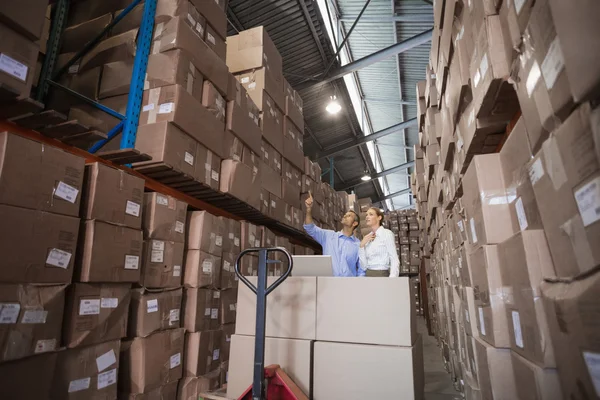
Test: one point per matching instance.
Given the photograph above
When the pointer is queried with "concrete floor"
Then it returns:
(438, 384)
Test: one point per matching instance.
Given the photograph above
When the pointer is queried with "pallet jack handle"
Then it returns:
(262, 291)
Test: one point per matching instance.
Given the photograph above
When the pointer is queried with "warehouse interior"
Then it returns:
(199, 198)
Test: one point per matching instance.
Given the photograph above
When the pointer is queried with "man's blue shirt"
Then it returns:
(342, 249)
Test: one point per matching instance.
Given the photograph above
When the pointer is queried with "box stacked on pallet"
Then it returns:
(498, 224)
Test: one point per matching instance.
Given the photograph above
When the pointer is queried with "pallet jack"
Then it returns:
(270, 383)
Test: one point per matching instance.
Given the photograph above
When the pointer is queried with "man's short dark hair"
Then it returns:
(356, 218)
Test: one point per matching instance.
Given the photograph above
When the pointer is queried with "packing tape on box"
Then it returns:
(153, 96)
(554, 164)
(575, 229)
(493, 197)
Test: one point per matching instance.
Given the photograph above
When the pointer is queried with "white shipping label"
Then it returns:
(592, 360)
(66, 192)
(188, 158)
(214, 313)
(245, 79)
(207, 312)
(467, 316)
(34, 317)
(521, 214)
(519, 5)
(227, 266)
(109, 302)
(219, 240)
(483, 67)
(43, 346)
(148, 107)
(236, 241)
(132, 262)
(252, 85)
(516, 319)
(175, 360)
(166, 108)
(533, 78)
(207, 266)
(460, 226)
(132, 208)
(107, 378)
(476, 78)
(79, 385)
(162, 200)
(13, 67)
(106, 360)
(58, 258)
(191, 20)
(473, 231)
(216, 354)
(217, 295)
(73, 69)
(233, 307)
(9, 313)
(173, 316)
(179, 226)
(157, 256)
(210, 38)
(588, 201)
(152, 305)
(215, 176)
(481, 321)
(536, 171)
(177, 270)
(158, 245)
(553, 64)
(257, 243)
(89, 307)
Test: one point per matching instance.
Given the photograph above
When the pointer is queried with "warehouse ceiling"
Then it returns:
(372, 98)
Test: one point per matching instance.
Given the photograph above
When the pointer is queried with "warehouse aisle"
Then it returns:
(438, 385)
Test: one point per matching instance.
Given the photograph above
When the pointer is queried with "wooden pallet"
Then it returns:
(20, 107)
(124, 156)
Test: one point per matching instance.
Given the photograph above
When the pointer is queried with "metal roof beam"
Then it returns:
(369, 138)
(389, 101)
(392, 195)
(420, 18)
(381, 174)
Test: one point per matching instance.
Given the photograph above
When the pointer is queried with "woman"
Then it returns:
(377, 252)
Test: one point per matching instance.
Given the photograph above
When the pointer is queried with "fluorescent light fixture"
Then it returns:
(333, 107)
(366, 178)
(382, 210)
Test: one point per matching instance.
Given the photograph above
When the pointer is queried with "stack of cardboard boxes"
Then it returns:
(404, 224)
(309, 327)
(510, 234)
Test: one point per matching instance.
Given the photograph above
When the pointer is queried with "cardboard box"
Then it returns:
(147, 363)
(80, 13)
(202, 352)
(116, 79)
(485, 202)
(54, 177)
(243, 117)
(214, 41)
(164, 217)
(234, 233)
(16, 377)
(293, 356)
(153, 311)
(238, 180)
(565, 177)
(175, 104)
(491, 282)
(251, 235)
(228, 331)
(290, 194)
(33, 317)
(293, 147)
(276, 208)
(214, 13)
(205, 232)
(228, 306)
(494, 371)
(570, 305)
(213, 101)
(37, 246)
(291, 309)
(249, 266)
(168, 391)
(162, 263)
(75, 37)
(229, 278)
(334, 324)
(201, 269)
(95, 313)
(535, 382)
(120, 264)
(190, 387)
(19, 57)
(112, 195)
(200, 309)
(525, 258)
(87, 372)
(253, 49)
(27, 18)
(177, 34)
(171, 68)
(292, 109)
(208, 167)
(271, 180)
(113, 49)
(399, 370)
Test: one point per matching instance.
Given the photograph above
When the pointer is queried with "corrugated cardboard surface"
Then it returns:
(237, 179)
(202, 352)
(170, 68)
(228, 306)
(395, 369)
(22, 51)
(26, 17)
(213, 12)
(153, 311)
(200, 309)
(162, 264)
(534, 382)
(229, 278)
(87, 372)
(293, 356)
(17, 377)
(208, 167)
(205, 232)
(251, 236)
(291, 309)
(32, 319)
(112, 195)
(228, 331)
(164, 217)
(53, 178)
(495, 372)
(37, 246)
(168, 391)
(214, 41)
(120, 264)
(344, 317)
(148, 363)
(234, 232)
(95, 313)
(270, 180)
(201, 269)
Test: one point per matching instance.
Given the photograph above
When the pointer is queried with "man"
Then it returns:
(341, 246)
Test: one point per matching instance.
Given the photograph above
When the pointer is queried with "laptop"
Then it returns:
(312, 266)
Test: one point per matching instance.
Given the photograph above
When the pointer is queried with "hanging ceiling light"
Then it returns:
(334, 106)
(366, 177)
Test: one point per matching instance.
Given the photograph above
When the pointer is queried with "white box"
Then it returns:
(357, 372)
(293, 356)
(291, 309)
(364, 310)
(312, 266)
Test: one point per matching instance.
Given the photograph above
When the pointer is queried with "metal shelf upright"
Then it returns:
(49, 77)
